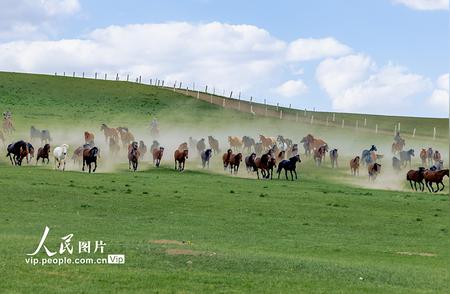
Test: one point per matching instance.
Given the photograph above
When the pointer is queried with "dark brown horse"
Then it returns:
(157, 155)
(235, 161)
(180, 157)
(416, 176)
(17, 151)
(133, 155)
(435, 177)
(319, 154)
(43, 152)
(90, 156)
(262, 163)
(226, 158)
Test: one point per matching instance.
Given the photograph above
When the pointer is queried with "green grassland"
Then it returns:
(326, 233)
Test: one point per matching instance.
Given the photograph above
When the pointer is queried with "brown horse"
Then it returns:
(125, 136)
(180, 157)
(416, 176)
(435, 177)
(214, 144)
(398, 146)
(89, 138)
(280, 156)
(157, 155)
(267, 142)
(109, 132)
(133, 155)
(423, 156)
(142, 149)
(90, 156)
(313, 143)
(43, 152)
(354, 166)
(8, 127)
(235, 142)
(77, 156)
(270, 166)
(373, 169)
(262, 163)
(226, 158)
(436, 156)
(235, 161)
(319, 154)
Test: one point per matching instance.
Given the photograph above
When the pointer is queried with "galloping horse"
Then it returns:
(313, 143)
(206, 156)
(133, 155)
(157, 155)
(267, 142)
(60, 154)
(319, 154)
(125, 136)
(248, 143)
(109, 132)
(423, 156)
(398, 146)
(226, 158)
(289, 165)
(213, 144)
(235, 161)
(180, 157)
(334, 158)
(354, 166)
(235, 143)
(89, 138)
(142, 149)
(18, 150)
(90, 157)
(435, 177)
(369, 156)
(43, 153)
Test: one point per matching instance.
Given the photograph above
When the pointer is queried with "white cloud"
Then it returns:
(424, 4)
(355, 84)
(309, 49)
(439, 99)
(291, 88)
(33, 19)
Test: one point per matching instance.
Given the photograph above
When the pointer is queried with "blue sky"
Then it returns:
(400, 46)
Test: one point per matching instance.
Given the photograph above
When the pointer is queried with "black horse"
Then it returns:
(18, 150)
(289, 165)
(90, 157)
(206, 156)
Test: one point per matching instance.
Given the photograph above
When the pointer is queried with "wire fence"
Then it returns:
(263, 109)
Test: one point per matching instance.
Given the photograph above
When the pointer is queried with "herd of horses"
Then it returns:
(264, 155)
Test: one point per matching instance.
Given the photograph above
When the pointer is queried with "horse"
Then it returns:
(267, 142)
(133, 155)
(396, 164)
(18, 150)
(270, 166)
(43, 152)
(206, 156)
(201, 146)
(235, 161)
(373, 169)
(262, 163)
(281, 156)
(306, 146)
(430, 156)
(437, 166)
(114, 146)
(248, 143)
(436, 156)
(157, 155)
(29, 152)
(313, 143)
(319, 154)
(7, 126)
(367, 155)
(334, 158)
(90, 157)
(416, 176)
(435, 177)
(405, 157)
(77, 155)
(180, 157)
(250, 162)
(60, 153)
(292, 151)
(235, 143)
(213, 144)
(125, 136)
(289, 165)
(109, 132)
(89, 138)
(43, 135)
(226, 158)
(423, 156)
(155, 145)
(398, 146)
(354, 166)
(142, 149)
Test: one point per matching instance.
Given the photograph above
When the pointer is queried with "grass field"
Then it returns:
(200, 231)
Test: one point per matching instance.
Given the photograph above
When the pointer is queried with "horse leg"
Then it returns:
(84, 162)
(443, 186)
(175, 164)
(285, 174)
(95, 167)
(292, 176)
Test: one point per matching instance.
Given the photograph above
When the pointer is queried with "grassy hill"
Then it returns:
(203, 231)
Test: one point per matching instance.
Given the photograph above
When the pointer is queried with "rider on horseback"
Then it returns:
(397, 138)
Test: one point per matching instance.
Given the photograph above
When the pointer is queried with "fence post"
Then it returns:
(193, 86)
(206, 89)
(117, 77)
(277, 105)
(305, 112)
(312, 119)
(139, 79)
(162, 84)
(334, 116)
(231, 94)
(365, 122)
(343, 123)
(376, 128)
(83, 74)
(356, 125)
(106, 75)
(414, 132)
(198, 94)
(95, 75)
(281, 113)
(398, 127)
(434, 133)
(327, 121)
(73, 75)
(251, 109)
(180, 85)
(223, 102)
(289, 105)
(128, 79)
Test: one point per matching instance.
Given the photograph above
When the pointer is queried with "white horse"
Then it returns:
(60, 154)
